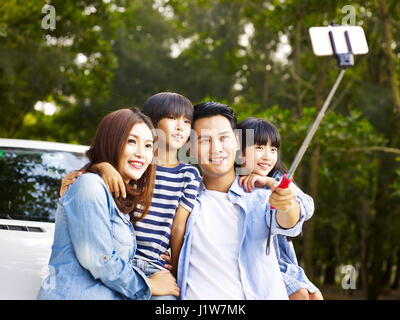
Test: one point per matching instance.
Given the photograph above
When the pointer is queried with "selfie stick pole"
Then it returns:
(344, 60)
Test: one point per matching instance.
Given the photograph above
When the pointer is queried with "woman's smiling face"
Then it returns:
(137, 154)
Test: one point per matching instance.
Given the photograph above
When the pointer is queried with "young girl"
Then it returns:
(94, 240)
(261, 145)
(176, 185)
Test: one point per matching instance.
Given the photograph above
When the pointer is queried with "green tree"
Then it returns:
(39, 64)
(231, 51)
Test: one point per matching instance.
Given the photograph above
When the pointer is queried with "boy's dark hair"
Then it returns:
(211, 109)
(165, 104)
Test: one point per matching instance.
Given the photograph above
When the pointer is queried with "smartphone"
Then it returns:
(321, 42)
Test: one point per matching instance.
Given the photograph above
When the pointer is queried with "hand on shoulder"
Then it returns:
(69, 179)
(256, 181)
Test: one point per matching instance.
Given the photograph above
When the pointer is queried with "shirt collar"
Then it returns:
(235, 188)
(202, 187)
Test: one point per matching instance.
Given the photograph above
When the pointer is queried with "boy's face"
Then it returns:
(215, 145)
(260, 159)
(175, 132)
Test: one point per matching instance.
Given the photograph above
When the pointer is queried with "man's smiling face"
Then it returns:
(215, 145)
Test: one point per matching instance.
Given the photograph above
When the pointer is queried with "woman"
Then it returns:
(94, 241)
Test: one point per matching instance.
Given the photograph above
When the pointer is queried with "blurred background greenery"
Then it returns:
(256, 56)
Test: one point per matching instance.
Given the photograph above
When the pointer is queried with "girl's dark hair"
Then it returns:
(211, 109)
(165, 104)
(264, 131)
(107, 146)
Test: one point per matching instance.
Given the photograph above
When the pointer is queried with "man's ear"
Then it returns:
(237, 142)
(240, 158)
(190, 148)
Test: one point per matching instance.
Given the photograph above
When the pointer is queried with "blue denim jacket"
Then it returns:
(254, 210)
(94, 244)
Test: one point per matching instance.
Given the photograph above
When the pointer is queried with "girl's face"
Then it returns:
(175, 132)
(137, 154)
(260, 159)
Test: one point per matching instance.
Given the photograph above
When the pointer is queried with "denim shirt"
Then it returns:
(94, 244)
(293, 275)
(256, 278)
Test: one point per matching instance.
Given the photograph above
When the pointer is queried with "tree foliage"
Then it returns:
(254, 55)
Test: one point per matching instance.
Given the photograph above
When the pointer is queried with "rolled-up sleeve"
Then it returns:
(88, 209)
(306, 205)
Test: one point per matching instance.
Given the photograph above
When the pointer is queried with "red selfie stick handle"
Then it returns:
(284, 184)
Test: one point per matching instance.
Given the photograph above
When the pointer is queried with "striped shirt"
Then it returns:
(173, 187)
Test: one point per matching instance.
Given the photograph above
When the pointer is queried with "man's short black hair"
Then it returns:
(211, 109)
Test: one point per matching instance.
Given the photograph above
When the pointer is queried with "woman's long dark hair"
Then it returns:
(264, 131)
(107, 146)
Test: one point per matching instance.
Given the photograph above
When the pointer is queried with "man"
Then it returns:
(224, 252)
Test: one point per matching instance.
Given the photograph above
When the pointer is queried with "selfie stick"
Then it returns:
(344, 60)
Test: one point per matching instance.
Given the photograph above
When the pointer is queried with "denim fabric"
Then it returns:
(293, 275)
(254, 210)
(148, 269)
(93, 249)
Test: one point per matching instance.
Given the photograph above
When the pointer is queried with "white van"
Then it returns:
(30, 175)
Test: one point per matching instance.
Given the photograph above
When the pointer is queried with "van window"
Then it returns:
(30, 180)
